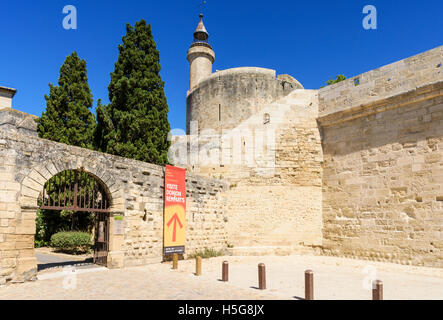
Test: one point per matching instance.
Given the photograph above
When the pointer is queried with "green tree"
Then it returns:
(67, 118)
(135, 123)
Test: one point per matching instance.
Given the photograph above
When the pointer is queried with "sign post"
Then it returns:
(174, 227)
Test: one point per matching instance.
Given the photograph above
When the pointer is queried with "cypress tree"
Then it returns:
(67, 118)
(135, 123)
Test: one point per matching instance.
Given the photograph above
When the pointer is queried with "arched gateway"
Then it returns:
(78, 191)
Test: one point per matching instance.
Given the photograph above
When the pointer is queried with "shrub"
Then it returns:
(71, 241)
(49, 222)
(207, 253)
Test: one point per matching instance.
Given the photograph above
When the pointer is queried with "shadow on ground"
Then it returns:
(47, 261)
(45, 266)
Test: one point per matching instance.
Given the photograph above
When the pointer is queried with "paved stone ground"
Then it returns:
(335, 278)
(47, 260)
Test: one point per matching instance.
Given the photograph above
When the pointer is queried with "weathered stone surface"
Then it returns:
(276, 200)
(17, 121)
(135, 189)
(226, 98)
(369, 148)
(411, 74)
(382, 176)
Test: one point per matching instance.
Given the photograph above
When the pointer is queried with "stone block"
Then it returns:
(7, 215)
(40, 176)
(116, 259)
(26, 227)
(32, 184)
(7, 230)
(9, 186)
(26, 253)
(28, 201)
(8, 262)
(26, 268)
(28, 192)
(8, 196)
(24, 245)
(9, 254)
(51, 168)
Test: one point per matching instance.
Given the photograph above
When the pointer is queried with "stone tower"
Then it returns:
(200, 56)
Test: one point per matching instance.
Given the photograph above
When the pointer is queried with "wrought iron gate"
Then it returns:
(78, 191)
(101, 246)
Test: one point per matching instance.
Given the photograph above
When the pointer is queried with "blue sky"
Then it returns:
(310, 40)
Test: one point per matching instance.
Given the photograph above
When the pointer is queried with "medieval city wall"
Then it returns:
(273, 204)
(352, 95)
(136, 190)
(382, 142)
(276, 209)
(356, 170)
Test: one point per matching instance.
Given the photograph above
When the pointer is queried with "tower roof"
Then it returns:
(200, 33)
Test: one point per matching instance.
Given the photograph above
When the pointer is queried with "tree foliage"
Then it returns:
(135, 123)
(338, 79)
(67, 118)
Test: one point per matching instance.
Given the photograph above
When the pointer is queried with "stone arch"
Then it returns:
(32, 184)
(30, 188)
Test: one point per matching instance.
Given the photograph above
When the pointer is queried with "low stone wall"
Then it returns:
(136, 191)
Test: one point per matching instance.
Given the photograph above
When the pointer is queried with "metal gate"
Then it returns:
(101, 247)
(78, 191)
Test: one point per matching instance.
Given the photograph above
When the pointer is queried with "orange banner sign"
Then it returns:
(175, 211)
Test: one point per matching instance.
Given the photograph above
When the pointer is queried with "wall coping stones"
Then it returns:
(395, 101)
(241, 71)
(33, 140)
(18, 121)
(382, 83)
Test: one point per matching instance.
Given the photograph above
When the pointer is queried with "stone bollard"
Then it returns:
(175, 261)
(225, 271)
(198, 266)
(309, 285)
(377, 290)
(261, 276)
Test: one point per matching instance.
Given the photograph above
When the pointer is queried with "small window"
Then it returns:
(266, 118)
(356, 81)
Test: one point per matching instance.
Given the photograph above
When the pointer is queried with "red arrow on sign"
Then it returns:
(175, 219)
